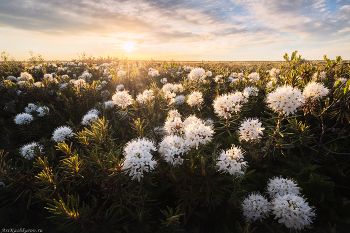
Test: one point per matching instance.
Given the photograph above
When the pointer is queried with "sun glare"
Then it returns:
(128, 46)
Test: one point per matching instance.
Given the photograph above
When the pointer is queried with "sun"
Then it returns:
(128, 46)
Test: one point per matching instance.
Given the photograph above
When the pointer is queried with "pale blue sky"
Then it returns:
(176, 29)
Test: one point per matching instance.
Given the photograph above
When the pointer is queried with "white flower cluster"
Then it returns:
(122, 99)
(285, 100)
(120, 87)
(197, 74)
(164, 80)
(282, 186)
(169, 87)
(274, 72)
(250, 129)
(89, 117)
(173, 124)
(108, 104)
(293, 211)
(225, 104)
(28, 150)
(196, 132)
(231, 161)
(180, 99)
(145, 97)
(209, 73)
(138, 157)
(253, 77)
(195, 99)
(219, 78)
(30, 108)
(250, 91)
(153, 72)
(42, 111)
(121, 73)
(50, 78)
(80, 82)
(235, 77)
(286, 204)
(321, 76)
(315, 90)
(38, 84)
(62, 133)
(256, 207)
(25, 76)
(23, 118)
(171, 148)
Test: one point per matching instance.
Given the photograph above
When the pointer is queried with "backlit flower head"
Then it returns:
(30, 108)
(197, 133)
(23, 118)
(172, 148)
(256, 207)
(180, 99)
(250, 129)
(195, 99)
(108, 104)
(145, 97)
(42, 111)
(315, 90)
(138, 157)
(122, 99)
(62, 133)
(285, 100)
(293, 211)
(231, 161)
(89, 118)
(197, 74)
(253, 77)
(28, 151)
(226, 104)
(250, 91)
(120, 87)
(121, 73)
(281, 186)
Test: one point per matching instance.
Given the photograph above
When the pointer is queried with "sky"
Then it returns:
(180, 30)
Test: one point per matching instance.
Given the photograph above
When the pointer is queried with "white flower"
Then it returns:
(197, 133)
(23, 118)
(180, 99)
(197, 74)
(89, 118)
(323, 75)
(38, 84)
(315, 90)
(209, 74)
(255, 207)
(63, 86)
(250, 91)
(62, 133)
(250, 129)
(145, 97)
(120, 87)
(285, 100)
(42, 111)
(177, 88)
(28, 151)
(169, 87)
(21, 83)
(31, 108)
(122, 99)
(80, 82)
(195, 99)
(164, 80)
(188, 68)
(282, 186)
(219, 78)
(231, 161)
(173, 124)
(121, 73)
(174, 113)
(93, 111)
(25, 77)
(152, 72)
(253, 77)
(226, 104)
(108, 104)
(274, 72)
(293, 211)
(171, 148)
(138, 157)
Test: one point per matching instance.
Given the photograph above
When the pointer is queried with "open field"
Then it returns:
(111, 145)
